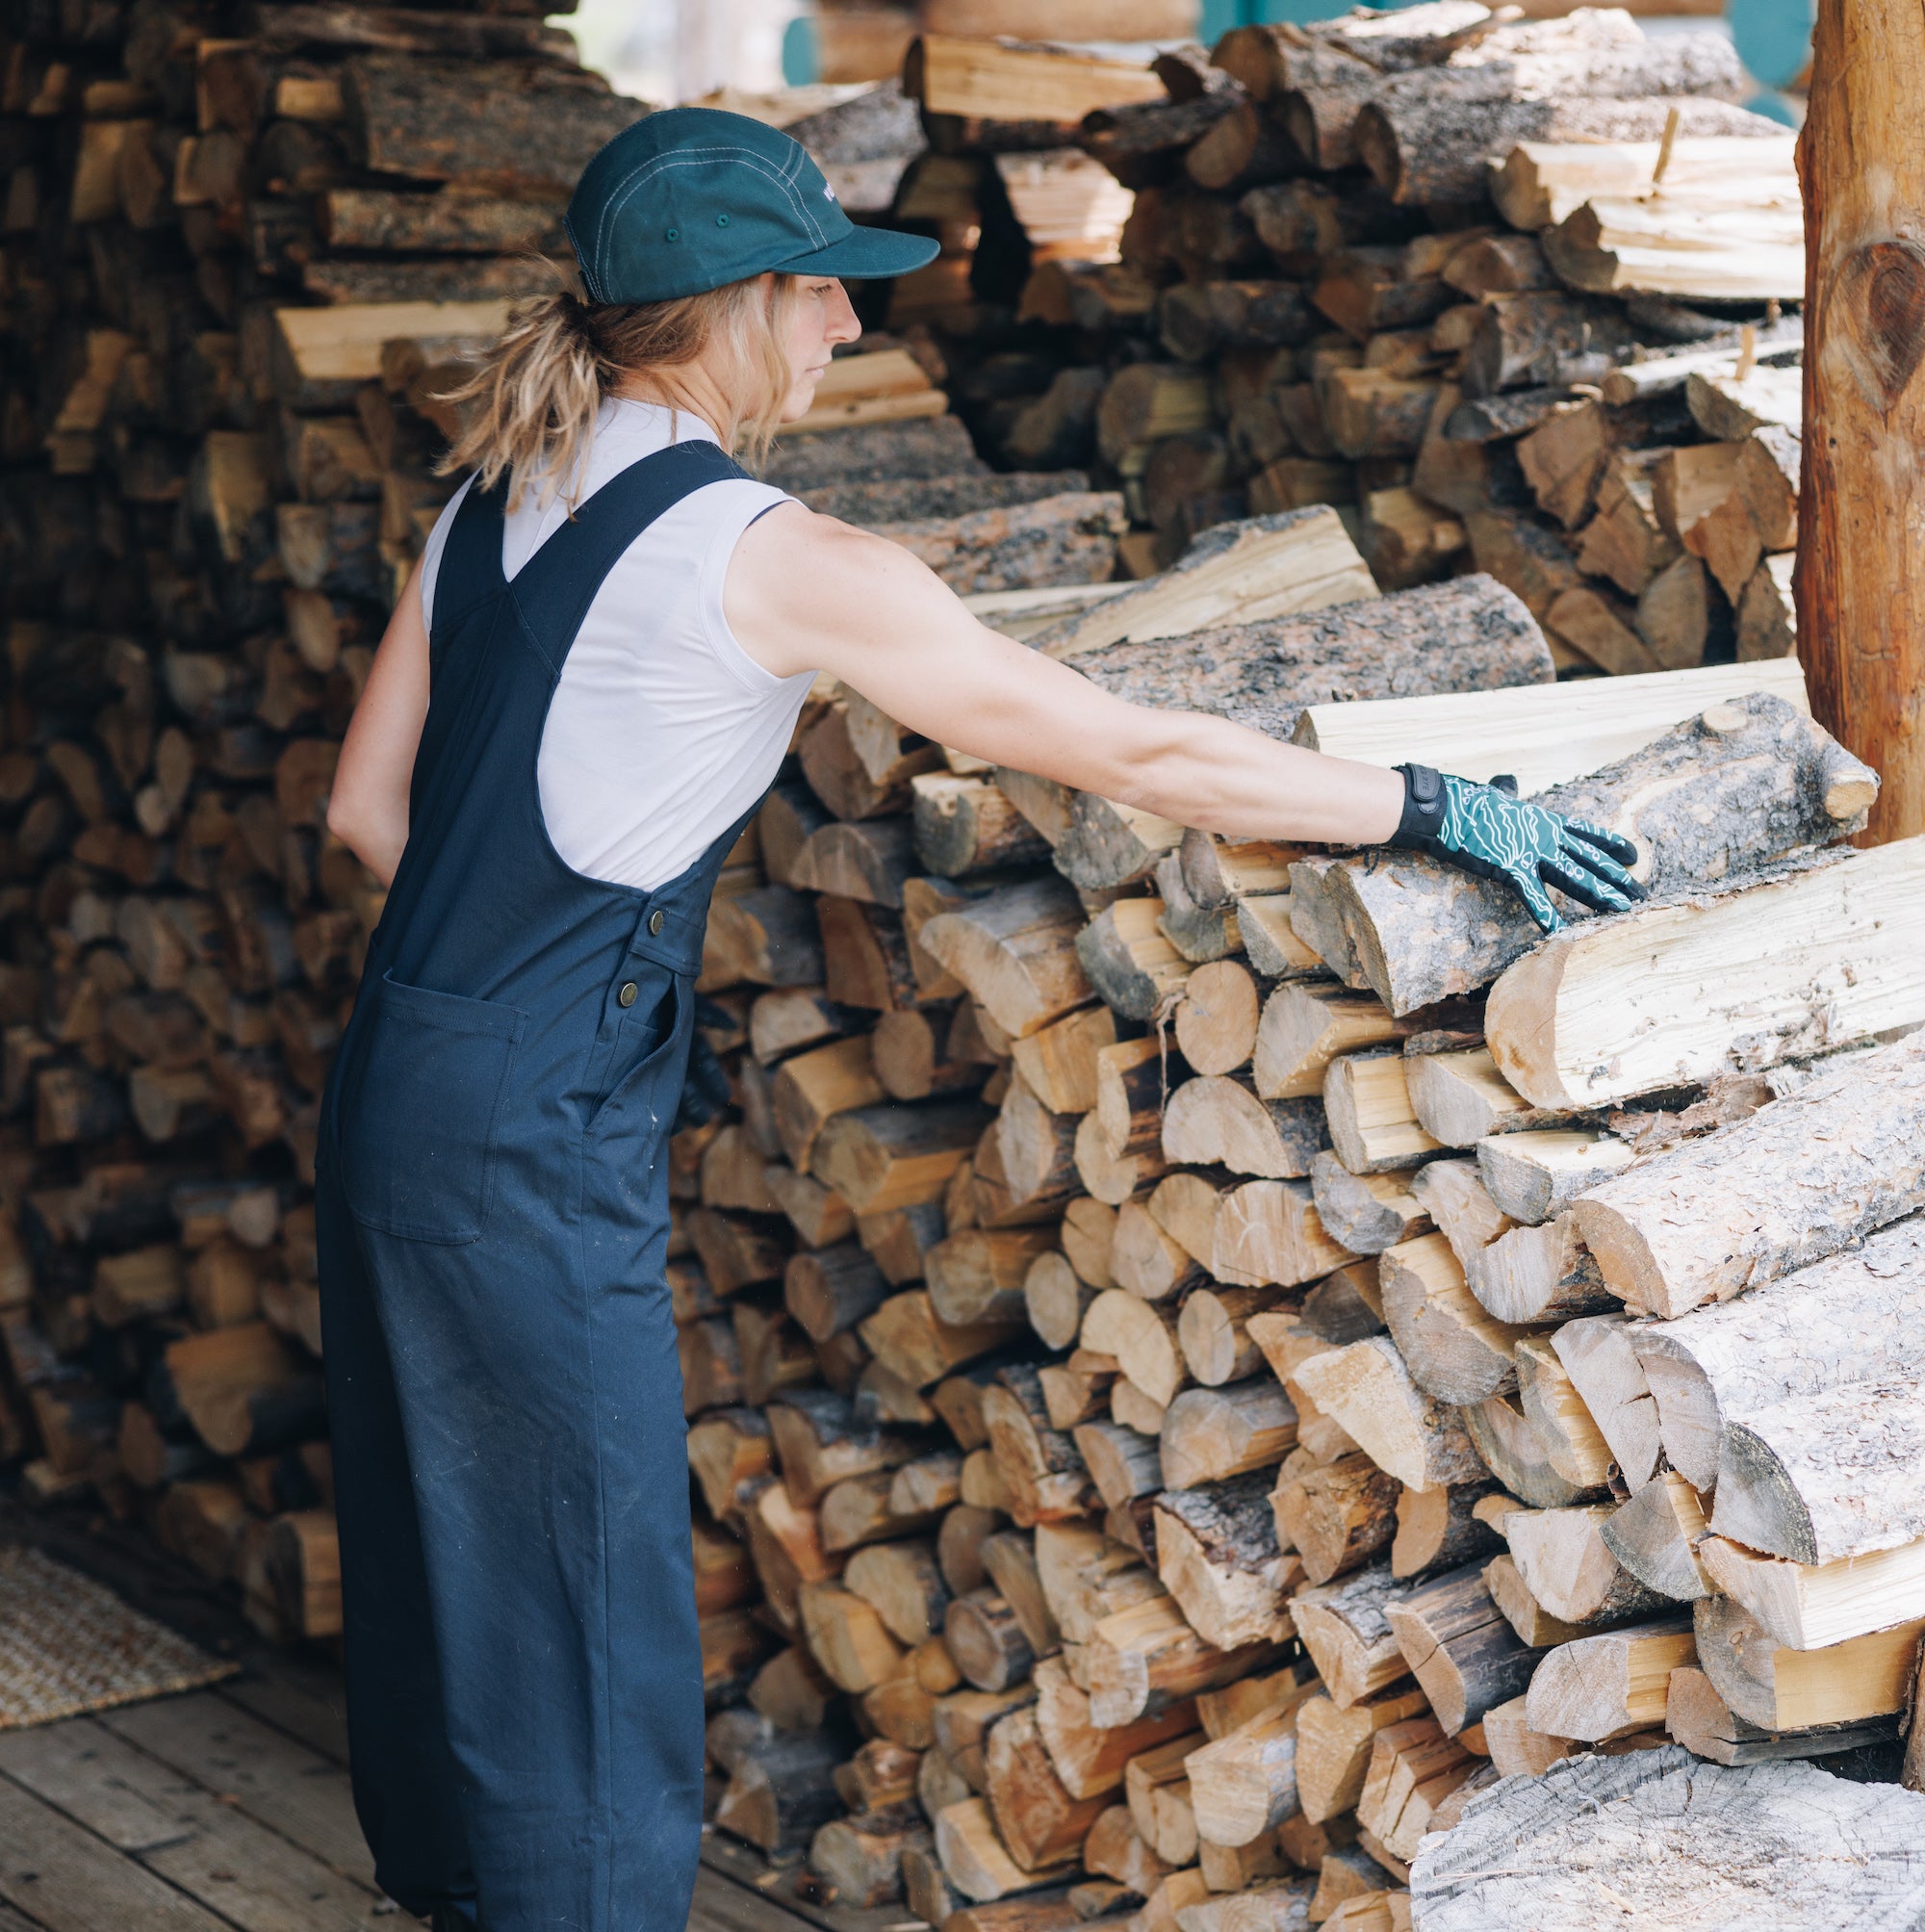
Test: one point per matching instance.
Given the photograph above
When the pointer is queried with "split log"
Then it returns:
(1367, 1213)
(905, 1336)
(1123, 951)
(1371, 1124)
(1701, 1830)
(1609, 1686)
(1213, 1329)
(1305, 1027)
(1059, 1064)
(1453, 1347)
(1344, 1629)
(1720, 1365)
(1088, 1760)
(1211, 1434)
(1333, 1746)
(1439, 1529)
(1217, 1554)
(1244, 1785)
(1218, 1017)
(1697, 1717)
(1539, 1274)
(1413, 1769)
(1863, 1118)
(1338, 1516)
(1015, 950)
(1142, 1336)
(1573, 1444)
(975, 1859)
(1055, 1299)
(1510, 1450)
(1598, 1354)
(1268, 1232)
(1535, 1175)
(1122, 1463)
(978, 1273)
(1779, 1688)
(1218, 1121)
(1042, 1823)
(1142, 1660)
(1366, 1389)
(1461, 1649)
(1563, 1562)
(1741, 784)
(1655, 1537)
(1809, 1606)
(1461, 1099)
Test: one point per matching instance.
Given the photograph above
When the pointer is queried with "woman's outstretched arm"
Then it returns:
(368, 808)
(806, 592)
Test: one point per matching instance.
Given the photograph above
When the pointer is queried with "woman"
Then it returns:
(587, 686)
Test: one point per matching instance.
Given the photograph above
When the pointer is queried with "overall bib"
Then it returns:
(524, 1670)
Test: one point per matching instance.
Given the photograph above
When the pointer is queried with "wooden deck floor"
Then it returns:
(228, 1810)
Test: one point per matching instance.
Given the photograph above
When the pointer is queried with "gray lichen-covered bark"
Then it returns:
(927, 446)
(1855, 1316)
(897, 500)
(1656, 1839)
(1232, 1521)
(1068, 538)
(1743, 784)
(1469, 634)
(1799, 1181)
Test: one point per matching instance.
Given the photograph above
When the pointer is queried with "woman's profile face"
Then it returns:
(819, 318)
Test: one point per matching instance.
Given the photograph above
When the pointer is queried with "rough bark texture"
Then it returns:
(1713, 1217)
(899, 500)
(930, 446)
(1744, 782)
(1460, 1647)
(503, 124)
(1069, 538)
(1424, 149)
(1469, 634)
(1656, 1838)
(1860, 576)
(1856, 1316)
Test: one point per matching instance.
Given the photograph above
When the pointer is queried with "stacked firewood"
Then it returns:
(1368, 1352)
(1510, 295)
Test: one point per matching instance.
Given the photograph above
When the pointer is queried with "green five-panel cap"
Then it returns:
(690, 198)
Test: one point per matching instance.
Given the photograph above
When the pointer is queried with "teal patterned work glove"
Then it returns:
(1488, 831)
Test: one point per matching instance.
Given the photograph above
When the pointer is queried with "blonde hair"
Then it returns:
(529, 406)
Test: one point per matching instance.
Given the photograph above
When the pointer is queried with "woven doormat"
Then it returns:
(68, 1646)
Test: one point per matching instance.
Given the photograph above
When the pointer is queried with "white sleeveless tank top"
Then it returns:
(663, 730)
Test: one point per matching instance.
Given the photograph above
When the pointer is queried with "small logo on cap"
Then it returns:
(829, 190)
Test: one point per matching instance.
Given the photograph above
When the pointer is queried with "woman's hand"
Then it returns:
(807, 593)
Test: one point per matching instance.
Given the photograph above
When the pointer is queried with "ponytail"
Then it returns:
(529, 407)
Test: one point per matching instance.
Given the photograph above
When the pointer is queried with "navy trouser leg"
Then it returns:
(403, 1773)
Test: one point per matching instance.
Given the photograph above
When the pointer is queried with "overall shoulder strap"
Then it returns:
(555, 588)
(471, 561)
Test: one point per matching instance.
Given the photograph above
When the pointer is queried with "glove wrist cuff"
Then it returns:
(1424, 803)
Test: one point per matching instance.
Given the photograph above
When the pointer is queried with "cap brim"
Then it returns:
(866, 255)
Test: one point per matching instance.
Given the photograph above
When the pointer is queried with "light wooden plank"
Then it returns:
(65, 1880)
(72, 1765)
(275, 1780)
(249, 1875)
(722, 1906)
(1543, 735)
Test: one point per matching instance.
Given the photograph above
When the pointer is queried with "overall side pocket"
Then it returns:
(418, 1111)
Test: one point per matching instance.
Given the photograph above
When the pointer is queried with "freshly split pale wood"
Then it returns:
(1217, 1554)
(1218, 1121)
(1779, 1688)
(1142, 1660)
(1122, 1463)
(1368, 1213)
(903, 1584)
(1611, 1685)
(1041, 1822)
(1142, 1338)
(1459, 1098)
(1811, 1607)
(1711, 1217)
(1563, 1562)
(1147, 1261)
(978, 1274)
(1739, 968)
(1573, 1444)
(1745, 782)
(1307, 1025)
(905, 1335)
(1460, 1648)
(1656, 1536)
(1450, 1345)
(1535, 1175)
(1109, 1180)
(1244, 1785)
(1077, 1391)
(1597, 1352)
(975, 1859)
(1542, 1274)
(1512, 1451)
(1213, 1329)
(1238, 573)
(1439, 1529)
(1533, 1624)
(1210, 1435)
(1057, 1062)
(1333, 1746)
(1453, 1193)
(1697, 1717)
(1015, 950)
(1368, 1391)
(1055, 1298)
(1088, 1760)
(1268, 1232)
(1412, 1763)
(1371, 1124)
(1343, 1627)
(1337, 1515)
(1539, 183)
(1218, 1017)
(1040, 1465)
(1117, 1850)
(1516, 1749)
(847, 1638)
(1135, 1409)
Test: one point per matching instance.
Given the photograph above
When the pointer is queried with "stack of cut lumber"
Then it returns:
(1510, 295)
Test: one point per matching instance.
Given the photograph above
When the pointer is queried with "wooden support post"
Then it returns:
(1860, 574)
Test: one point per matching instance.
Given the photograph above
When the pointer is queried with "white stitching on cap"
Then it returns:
(689, 157)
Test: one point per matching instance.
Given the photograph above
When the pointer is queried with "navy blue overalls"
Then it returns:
(524, 1669)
